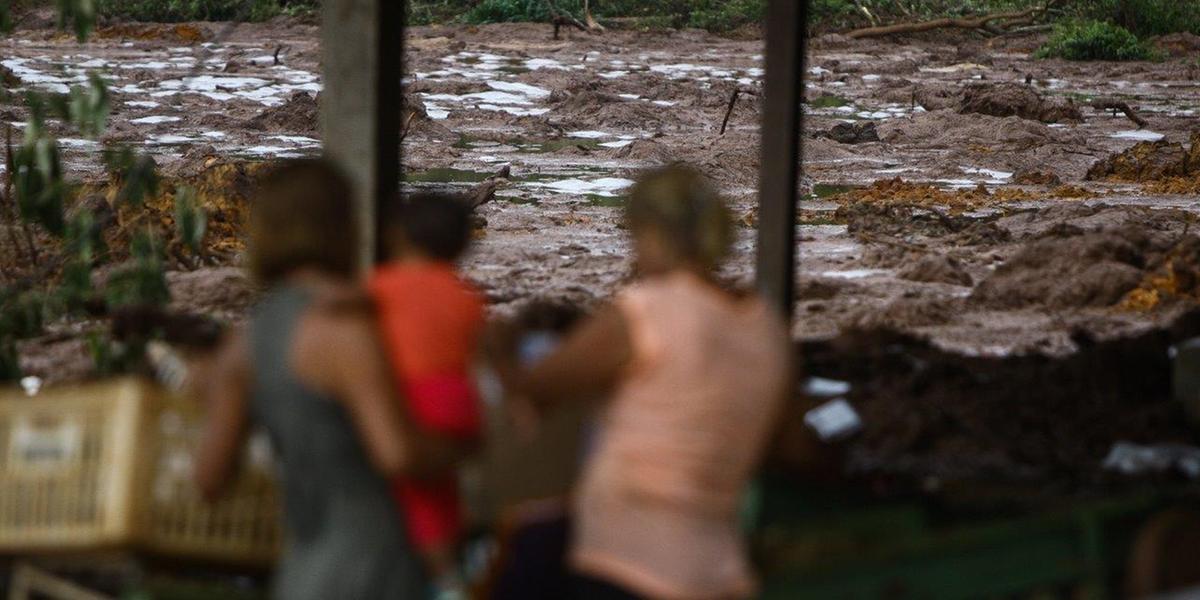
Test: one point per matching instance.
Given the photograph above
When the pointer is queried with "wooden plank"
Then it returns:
(781, 152)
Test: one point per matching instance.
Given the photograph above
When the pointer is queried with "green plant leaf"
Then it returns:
(38, 184)
(84, 239)
(191, 221)
(137, 174)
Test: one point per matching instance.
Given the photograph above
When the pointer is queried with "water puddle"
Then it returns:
(1140, 135)
(994, 177)
(598, 191)
(830, 101)
(601, 187)
(505, 96)
(854, 273)
(154, 120)
(827, 190)
(446, 175)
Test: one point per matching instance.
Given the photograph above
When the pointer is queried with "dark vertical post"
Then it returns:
(360, 104)
(781, 151)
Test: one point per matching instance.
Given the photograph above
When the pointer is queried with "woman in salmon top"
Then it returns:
(696, 377)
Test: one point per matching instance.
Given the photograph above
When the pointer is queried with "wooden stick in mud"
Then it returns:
(1114, 104)
(407, 125)
(981, 22)
(732, 101)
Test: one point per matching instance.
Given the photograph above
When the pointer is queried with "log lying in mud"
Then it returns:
(486, 190)
(1114, 104)
(987, 22)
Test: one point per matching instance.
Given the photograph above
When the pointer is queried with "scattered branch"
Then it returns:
(587, 18)
(486, 190)
(560, 19)
(863, 9)
(1117, 105)
(992, 23)
(407, 126)
(733, 98)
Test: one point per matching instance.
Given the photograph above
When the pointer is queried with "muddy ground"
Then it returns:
(951, 194)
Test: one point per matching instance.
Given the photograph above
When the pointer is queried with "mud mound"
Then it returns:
(1179, 44)
(182, 32)
(932, 415)
(593, 109)
(300, 114)
(726, 158)
(901, 220)
(1166, 225)
(1069, 268)
(648, 151)
(1036, 176)
(937, 268)
(946, 129)
(1014, 99)
(851, 133)
(900, 192)
(937, 97)
(905, 313)
(1150, 161)
(193, 162)
(1175, 185)
(8, 79)
(1174, 278)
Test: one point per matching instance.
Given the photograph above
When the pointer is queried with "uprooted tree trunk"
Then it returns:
(560, 19)
(1117, 105)
(995, 22)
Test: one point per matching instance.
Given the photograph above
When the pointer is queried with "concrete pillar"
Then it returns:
(362, 42)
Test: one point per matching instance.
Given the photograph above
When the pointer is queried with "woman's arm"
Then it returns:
(338, 353)
(225, 390)
(339, 349)
(587, 363)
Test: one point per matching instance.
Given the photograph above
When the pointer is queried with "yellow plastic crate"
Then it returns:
(108, 466)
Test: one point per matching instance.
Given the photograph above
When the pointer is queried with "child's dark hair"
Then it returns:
(437, 224)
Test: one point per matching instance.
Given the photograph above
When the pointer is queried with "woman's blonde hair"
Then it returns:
(303, 217)
(681, 204)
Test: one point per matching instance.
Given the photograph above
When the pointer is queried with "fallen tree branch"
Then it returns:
(1116, 105)
(560, 19)
(1023, 17)
(733, 98)
(870, 17)
(587, 18)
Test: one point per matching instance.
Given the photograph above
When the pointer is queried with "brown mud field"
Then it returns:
(962, 201)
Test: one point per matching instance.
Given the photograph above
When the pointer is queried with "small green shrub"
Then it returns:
(192, 10)
(509, 11)
(1145, 18)
(1094, 40)
(726, 15)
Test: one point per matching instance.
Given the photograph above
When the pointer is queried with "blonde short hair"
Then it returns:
(680, 203)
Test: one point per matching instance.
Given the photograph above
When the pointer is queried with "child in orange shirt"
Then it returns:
(431, 321)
